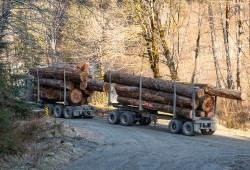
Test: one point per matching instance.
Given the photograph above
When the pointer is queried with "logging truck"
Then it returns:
(65, 90)
(190, 108)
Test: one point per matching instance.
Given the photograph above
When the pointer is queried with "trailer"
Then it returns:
(128, 115)
(61, 108)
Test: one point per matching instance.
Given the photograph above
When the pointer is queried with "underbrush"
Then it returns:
(233, 114)
(41, 143)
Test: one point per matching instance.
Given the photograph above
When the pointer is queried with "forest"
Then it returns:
(201, 41)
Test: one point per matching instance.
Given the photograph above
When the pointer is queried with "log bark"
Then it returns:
(226, 93)
(49, 94)
(155, 96)
(59, 84)
(57, 73)
(182, 112)
(97, 85)
(153, 84)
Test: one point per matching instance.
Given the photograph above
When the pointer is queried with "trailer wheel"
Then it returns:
(205, 132)
(145, 121)
(48, 109)
(58, 111)
(68, 112)
(126, 119)
(175, 126)
(114, 117)
(188, 128)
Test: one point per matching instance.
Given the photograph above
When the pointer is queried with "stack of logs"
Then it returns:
(157, 94)
(79, 84)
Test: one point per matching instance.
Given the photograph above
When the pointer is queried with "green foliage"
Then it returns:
(11, 108)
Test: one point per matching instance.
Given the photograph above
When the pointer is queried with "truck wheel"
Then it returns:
(205, 132)
(126, 119)
(58, 111)
(68, 112)
(188, 128)
(114, 117)
(175, 126)
(48, 109)
(145, 121)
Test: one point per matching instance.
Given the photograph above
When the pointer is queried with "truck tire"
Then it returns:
(126, 119)
(145, 121)
(58, 111)
(114, 117)
(188, 128)
(48, 109)
(175, 126)
(68, 112)
(205, 132)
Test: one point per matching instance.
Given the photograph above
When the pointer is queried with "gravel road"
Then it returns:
(140, 147)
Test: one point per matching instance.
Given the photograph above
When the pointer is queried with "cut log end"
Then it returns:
(76, 96)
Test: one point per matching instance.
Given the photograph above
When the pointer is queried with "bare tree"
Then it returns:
(225, 28)
(239, 7)
(214, 45)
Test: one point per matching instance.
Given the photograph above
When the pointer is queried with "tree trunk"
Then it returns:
(154, 96)
(59, 84)
(214, 45)
(226, 93)
(97, 85)
(57, 73)
(182, 112)
(153, 84)
(49, 94)
(225, 28)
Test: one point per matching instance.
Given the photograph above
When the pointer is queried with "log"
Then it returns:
(153, 84)
(82, 66)
(84, 76)
(210, 114)
(89, 99)
(55, 83)
(49, 94)
(206, 103)
(226, 93)
(83, 85)
(88, 93)
(155, 96)
(57, 73)
(84, 101)
(97, 85)
(182, 112)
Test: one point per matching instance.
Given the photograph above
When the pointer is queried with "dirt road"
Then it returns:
(140, 147)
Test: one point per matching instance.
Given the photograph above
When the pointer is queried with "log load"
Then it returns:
(54, 95)
(153, 84)
(182, 112)
(97, 85)
(154, 96)
(226, 93)
(55, 83)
